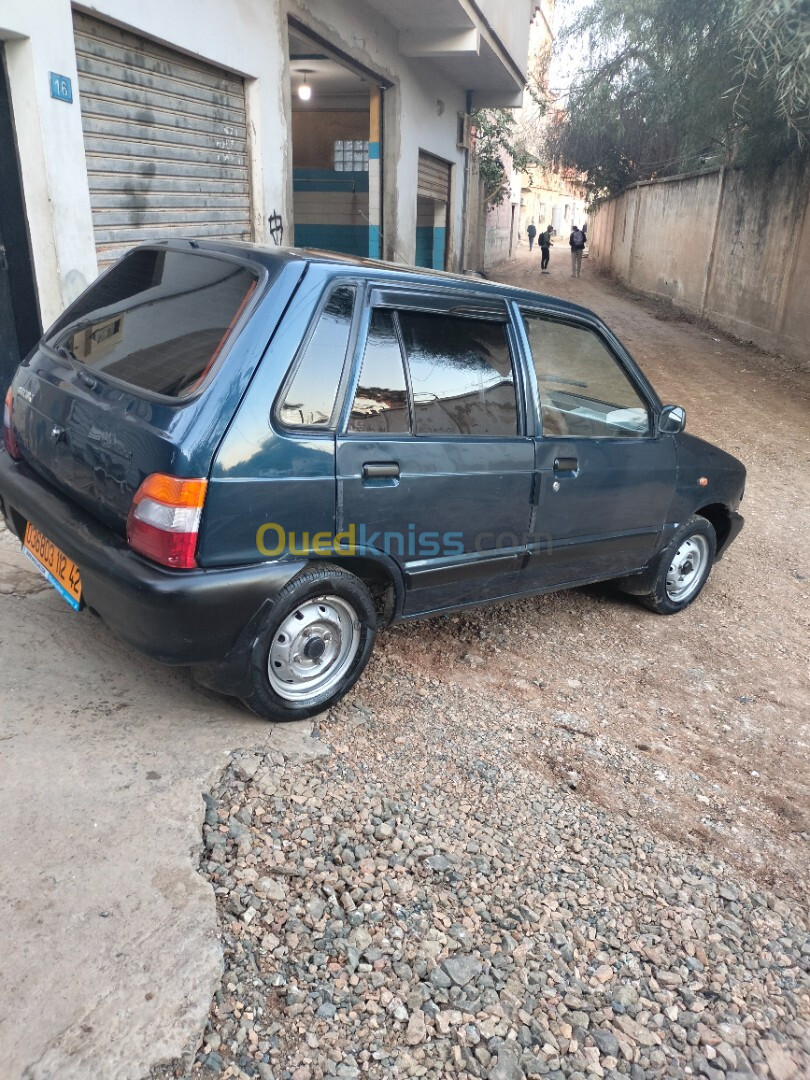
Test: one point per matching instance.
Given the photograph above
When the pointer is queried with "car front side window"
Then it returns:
(584, 391)
(461, 375)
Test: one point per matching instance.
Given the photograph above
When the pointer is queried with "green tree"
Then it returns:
(495, 135)
(775, 51)
(671, 87)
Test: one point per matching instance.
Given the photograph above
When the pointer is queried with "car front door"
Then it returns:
(434, 468)
(605, 479)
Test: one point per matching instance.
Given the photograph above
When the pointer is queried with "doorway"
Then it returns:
(19, 312)
(432, 211)
(337, 149)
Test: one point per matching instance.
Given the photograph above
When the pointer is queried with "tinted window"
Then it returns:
(158, 320)
(584, 391)
(461, 375)
(310, 397)
(381, 401)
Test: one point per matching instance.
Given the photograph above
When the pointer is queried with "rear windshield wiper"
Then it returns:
(68, 354)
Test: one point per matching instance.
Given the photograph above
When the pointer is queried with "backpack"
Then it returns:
(577, 238)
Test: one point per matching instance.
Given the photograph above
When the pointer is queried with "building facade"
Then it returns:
(329, 123)
(548, 198)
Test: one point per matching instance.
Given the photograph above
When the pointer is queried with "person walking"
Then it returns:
(577, 242)
(545, 249)
(531, 232)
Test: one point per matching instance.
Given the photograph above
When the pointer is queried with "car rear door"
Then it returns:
(434, 466)
(605, 478)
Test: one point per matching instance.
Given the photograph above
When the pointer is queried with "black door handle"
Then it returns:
(384, 468)
(566, 464)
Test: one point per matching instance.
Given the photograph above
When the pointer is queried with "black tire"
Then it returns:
(681, 570)
(317, 606)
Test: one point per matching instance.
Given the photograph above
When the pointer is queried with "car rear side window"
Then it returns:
(158, 320)
(309, 399)
(381, 401)
(584, 391)
(461, 375)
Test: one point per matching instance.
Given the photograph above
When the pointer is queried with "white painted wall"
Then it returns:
(247, 37)
(242, 36)
(49, 139)
(510, 19)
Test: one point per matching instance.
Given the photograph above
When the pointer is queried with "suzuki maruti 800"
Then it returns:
(249, 460)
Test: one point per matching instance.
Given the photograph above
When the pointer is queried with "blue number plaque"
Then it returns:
(61, 87)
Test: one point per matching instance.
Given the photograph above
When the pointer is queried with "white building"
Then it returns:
(332, 123)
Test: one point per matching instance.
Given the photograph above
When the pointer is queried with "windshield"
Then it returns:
(158, 320)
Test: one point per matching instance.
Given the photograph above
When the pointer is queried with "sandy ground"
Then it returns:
(696, 723)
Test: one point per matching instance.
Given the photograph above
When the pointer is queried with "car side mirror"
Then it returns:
(672, 420)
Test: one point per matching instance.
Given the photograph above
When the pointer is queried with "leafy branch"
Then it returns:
(665, 88)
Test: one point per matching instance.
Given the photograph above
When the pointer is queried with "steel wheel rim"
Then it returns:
(686, 570)
(313, 648)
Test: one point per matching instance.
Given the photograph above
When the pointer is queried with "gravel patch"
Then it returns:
(419, 904)
(582, 850)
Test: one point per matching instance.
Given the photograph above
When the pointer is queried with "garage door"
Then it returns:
(433, 180)
(166, 141)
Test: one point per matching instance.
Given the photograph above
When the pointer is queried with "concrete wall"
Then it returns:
(501, 225)
(732, 246)
(330, 207)
(314, 133)
(510, 20)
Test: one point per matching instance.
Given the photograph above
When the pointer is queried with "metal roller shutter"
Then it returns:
(166, 141)
(433, 179)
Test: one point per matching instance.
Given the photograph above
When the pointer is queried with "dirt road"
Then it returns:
(698, 724)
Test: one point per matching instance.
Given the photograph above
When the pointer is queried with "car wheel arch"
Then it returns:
(719, 517)
(381, 576)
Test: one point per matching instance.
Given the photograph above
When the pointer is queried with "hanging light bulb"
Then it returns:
(305, 90)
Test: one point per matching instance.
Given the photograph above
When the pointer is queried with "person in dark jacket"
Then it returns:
(545, 249)
(531, 232)
(577, 242)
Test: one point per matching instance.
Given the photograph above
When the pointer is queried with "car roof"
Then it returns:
(271, 257)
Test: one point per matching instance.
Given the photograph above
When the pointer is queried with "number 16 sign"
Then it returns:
(61, 87)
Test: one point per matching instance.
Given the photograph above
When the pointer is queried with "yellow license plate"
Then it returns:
(54, 565)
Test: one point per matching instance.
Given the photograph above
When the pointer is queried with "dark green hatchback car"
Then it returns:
(248, 460)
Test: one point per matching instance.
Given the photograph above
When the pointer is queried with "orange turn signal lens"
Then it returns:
(173, 491)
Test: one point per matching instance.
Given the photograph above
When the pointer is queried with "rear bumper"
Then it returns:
(176, 616)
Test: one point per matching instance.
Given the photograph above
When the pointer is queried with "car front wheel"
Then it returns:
(681, 570)
(314, 646)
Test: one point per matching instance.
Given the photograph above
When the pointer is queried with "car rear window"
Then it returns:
(158, 320)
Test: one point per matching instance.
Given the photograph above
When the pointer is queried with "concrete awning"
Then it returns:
(483, 46)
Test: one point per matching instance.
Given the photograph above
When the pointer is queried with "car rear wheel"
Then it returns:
(314, 646)
(682, 568)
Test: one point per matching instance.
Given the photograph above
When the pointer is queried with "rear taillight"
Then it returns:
(9, 440)
(164, 520)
